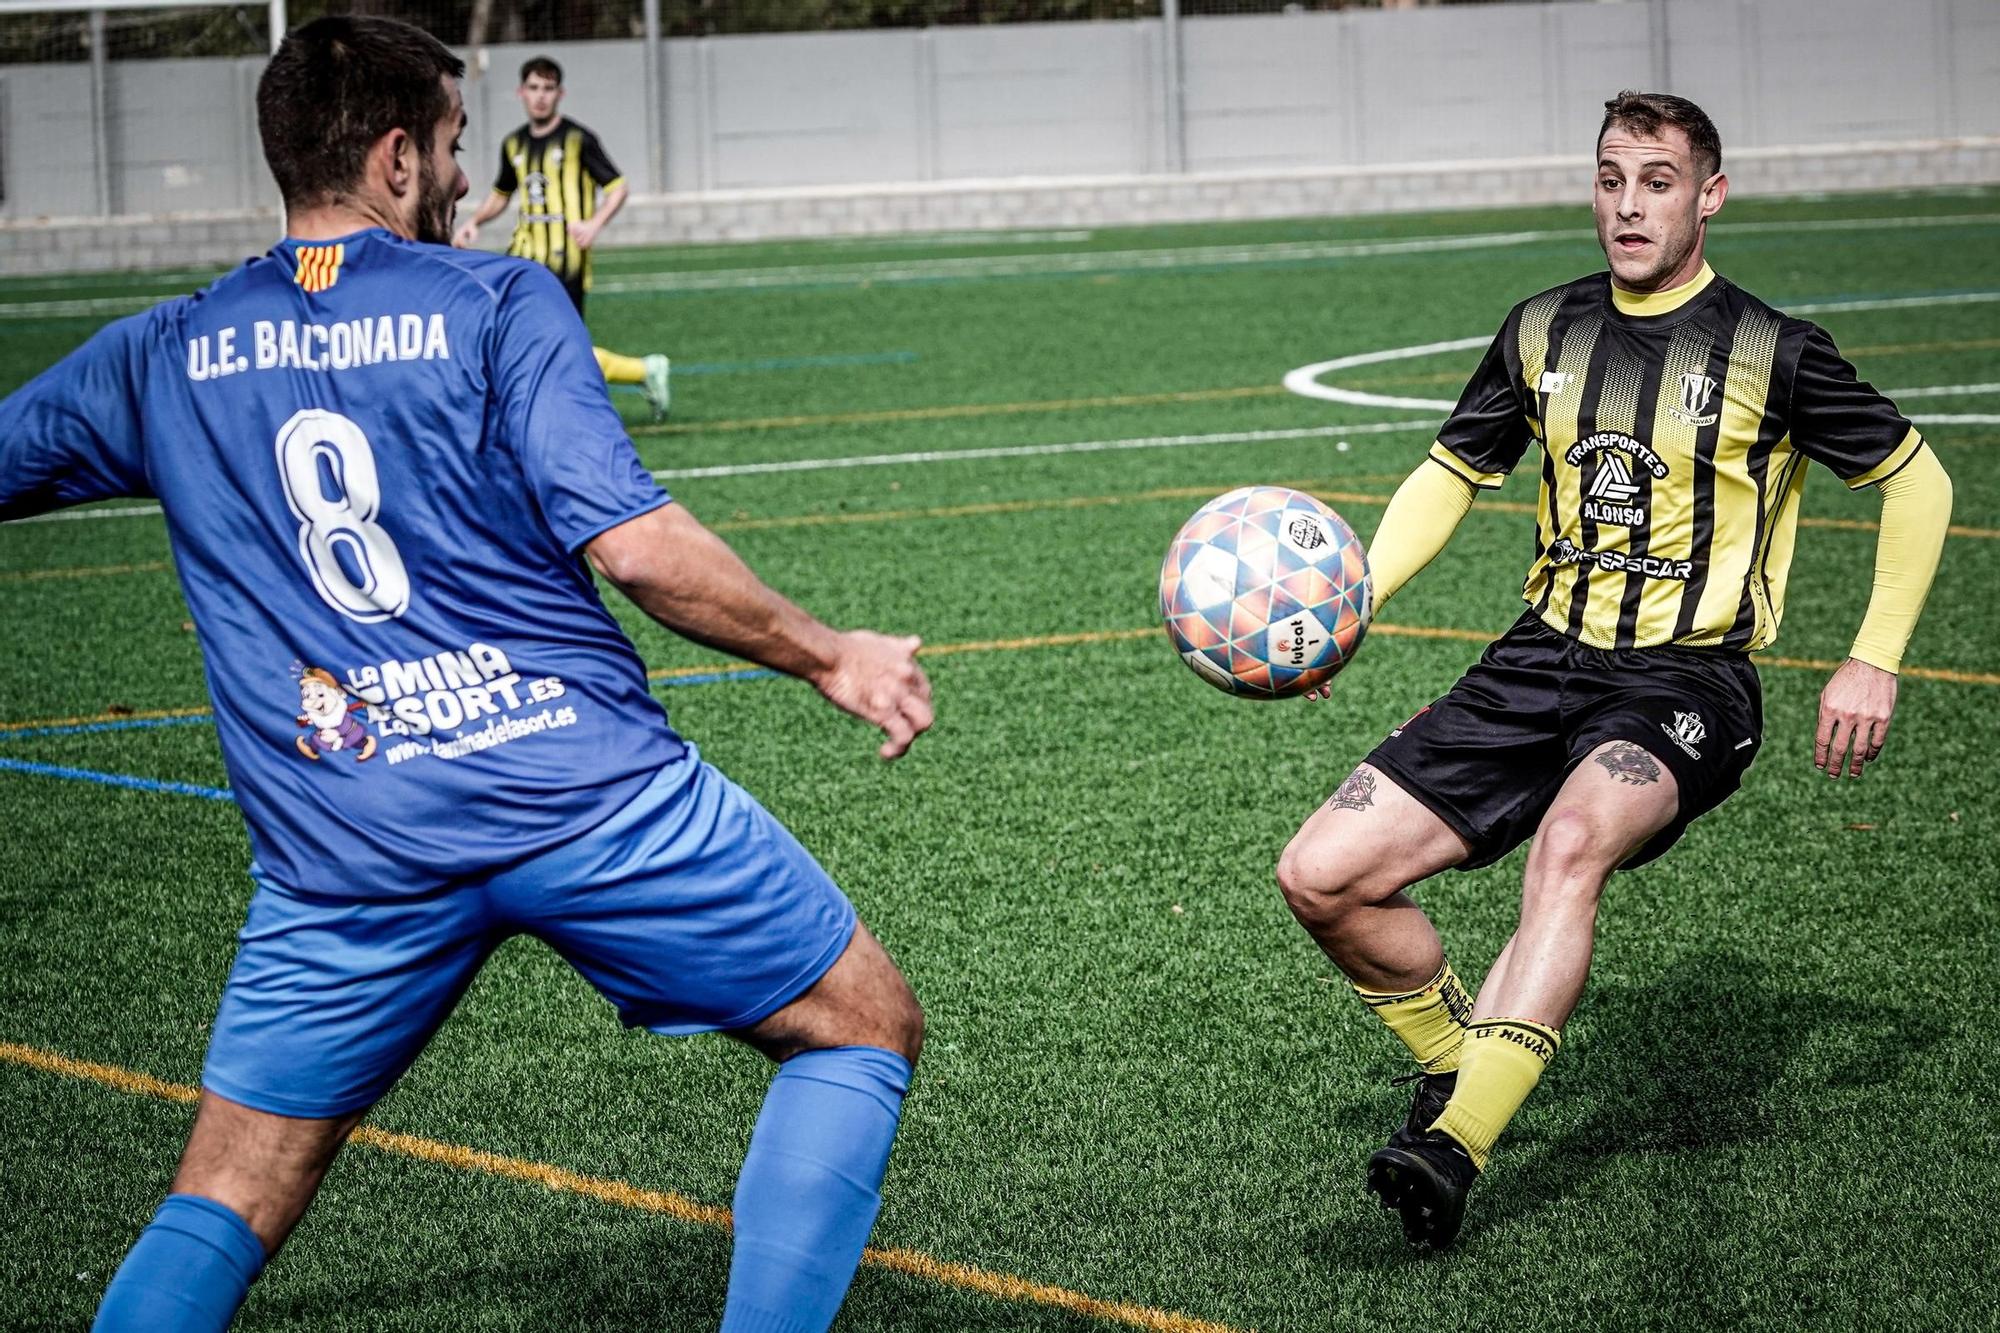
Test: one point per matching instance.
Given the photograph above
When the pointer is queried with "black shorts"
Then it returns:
(1489, 757)
(576, 285)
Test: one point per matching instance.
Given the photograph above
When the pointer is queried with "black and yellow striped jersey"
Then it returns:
(1675, 430)
(558, 177)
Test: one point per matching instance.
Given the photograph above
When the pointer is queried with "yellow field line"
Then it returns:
(1038, 641)
(866, 516)
(82, 571)
(717, 669)
(110, 715)
(623, 1194)
(1433, 632)
(111, 1076)
(1032, 506)
(1028, 642)
(1379, 628)
(954, 411)
(994, 507)
(1189, 492)
(1908, 672)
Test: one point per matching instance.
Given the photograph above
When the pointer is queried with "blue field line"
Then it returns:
(715, 677)
(115, 780)
(208, 720)
(222, 793)
(132, 724)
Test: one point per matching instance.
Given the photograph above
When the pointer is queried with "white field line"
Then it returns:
(1083, 447)
(1895, 303)
(74, 515)
(1944, 391)
(1268, 252)
(1305, 380)
(1086, 261)
(1302, 381)
(1042, 450)
(925, 270)
(923, 456)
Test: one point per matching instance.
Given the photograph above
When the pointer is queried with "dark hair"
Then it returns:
(545, 67)
(1649, 112)
(335, 87)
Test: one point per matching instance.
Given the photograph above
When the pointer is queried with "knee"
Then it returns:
(905, 1027)
(1321, 889)
(889, 1017)
(1572, 857)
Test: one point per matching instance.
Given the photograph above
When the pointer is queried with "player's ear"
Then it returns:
(1713, 191)
(396, 158)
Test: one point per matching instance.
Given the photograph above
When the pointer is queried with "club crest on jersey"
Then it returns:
(1686, 732)
(1696, 390)
(319, 266)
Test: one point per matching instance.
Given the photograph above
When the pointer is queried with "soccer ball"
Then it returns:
(1266, 592)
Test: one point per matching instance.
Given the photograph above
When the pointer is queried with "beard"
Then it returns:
(1671, 247)
(437, 205)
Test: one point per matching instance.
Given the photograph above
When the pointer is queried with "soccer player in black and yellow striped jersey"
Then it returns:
(569, 192)
(1675, 416)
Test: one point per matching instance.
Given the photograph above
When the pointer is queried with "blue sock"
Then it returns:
(811, 1186)
(187, 1272)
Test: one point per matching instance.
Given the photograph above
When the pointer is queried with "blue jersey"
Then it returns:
(379, 461)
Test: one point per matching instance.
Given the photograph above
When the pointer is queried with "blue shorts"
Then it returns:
(691, 910)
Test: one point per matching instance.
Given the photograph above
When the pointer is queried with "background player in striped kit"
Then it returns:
(1676, 414)
(569, 192)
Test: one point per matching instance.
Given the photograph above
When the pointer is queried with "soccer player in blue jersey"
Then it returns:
(387, 474)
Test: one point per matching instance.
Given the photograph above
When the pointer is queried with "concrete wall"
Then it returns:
(606, 90)
(774, 134)
(1062, 201)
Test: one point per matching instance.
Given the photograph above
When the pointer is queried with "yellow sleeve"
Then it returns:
(1916, 511)
(1420, 519)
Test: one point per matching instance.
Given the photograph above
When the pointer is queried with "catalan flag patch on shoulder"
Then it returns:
(319, 266)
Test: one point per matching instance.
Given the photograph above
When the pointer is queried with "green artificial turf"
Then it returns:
(1143, 1083)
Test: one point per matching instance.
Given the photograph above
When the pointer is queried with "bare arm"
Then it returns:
(688, 579)
(585, 232)
(495, 204)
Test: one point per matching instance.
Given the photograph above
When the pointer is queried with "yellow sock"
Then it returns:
(620, 369)
(1430, 1021)
(1504, 1059)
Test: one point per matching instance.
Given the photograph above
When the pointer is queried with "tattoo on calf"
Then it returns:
(1629, 764)
(1357, 793)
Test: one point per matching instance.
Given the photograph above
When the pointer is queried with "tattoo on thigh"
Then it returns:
(1357, 793)
(1629, 764)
